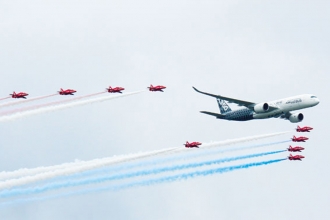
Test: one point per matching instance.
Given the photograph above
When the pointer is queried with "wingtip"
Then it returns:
(195, 89)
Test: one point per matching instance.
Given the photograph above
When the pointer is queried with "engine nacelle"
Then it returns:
(261, 108)
(297, 117)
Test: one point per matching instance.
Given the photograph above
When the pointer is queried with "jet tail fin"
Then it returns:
(217, 115)
(223, 106)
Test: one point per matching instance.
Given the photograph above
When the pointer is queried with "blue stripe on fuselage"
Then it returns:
(239, 115)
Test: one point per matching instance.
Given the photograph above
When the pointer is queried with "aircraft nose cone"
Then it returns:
(317, 101)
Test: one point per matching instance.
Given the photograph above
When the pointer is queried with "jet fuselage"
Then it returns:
(283, 106)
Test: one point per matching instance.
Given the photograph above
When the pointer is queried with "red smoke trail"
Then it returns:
(18, 102)
(49, 104)
(5, 98)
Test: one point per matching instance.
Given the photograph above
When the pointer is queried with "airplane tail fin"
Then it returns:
(223, 106)
(220, 116)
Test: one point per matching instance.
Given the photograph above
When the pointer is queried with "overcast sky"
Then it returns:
(254, 51)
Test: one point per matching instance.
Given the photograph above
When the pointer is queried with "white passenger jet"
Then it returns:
(275, 109)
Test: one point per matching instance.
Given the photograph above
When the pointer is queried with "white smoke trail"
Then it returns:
(176, 157)
(18, 102)
(115, 159)
(89, 165)
(148, 182)
(45, 109)
(238, 140)
(77, 168)
(117, 176)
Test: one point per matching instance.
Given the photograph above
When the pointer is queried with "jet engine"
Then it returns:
(261, 108)
(297, 117)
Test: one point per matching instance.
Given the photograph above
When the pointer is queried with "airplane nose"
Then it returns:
(317, 101)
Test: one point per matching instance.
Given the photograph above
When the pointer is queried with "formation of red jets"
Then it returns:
(192, 144)
(71, 91)
(295, 149)
(156, 88)
(298, 139)
(115, 90)
(291, 149)
(187, 144)
(19, 95)
(295, 157)
(67, 92)
(304, 129)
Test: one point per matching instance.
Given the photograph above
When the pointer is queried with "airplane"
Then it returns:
(295, 157)
(274, 109)
(67, 92)
(19, 95)
(156, 88)
(299, 139)
(295, 149)
(116, 89)
(192, 144)
(304, 129)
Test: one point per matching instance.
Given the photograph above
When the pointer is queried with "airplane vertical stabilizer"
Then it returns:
(223, 106)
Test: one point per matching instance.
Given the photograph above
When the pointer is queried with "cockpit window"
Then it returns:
(313, 97)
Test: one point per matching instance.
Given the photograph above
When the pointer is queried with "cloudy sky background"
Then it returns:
(254, 51)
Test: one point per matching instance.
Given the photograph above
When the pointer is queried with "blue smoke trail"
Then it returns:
(184, 156)
(149, 182)
(99, 179)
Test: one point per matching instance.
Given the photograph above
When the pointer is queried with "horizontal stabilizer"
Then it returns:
(214, 114)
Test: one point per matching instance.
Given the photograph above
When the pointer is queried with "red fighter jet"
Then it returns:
(295, 149)
(192, 144)
(116, 89)
(304, 129)
(295, 157)
(67, 92)
(19, 95)
(156, 88)
(299, 139)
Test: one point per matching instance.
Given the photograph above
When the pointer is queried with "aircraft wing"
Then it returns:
(230, 100)
(247, 104)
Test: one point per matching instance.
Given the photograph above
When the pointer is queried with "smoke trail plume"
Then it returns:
(32, 171)
(74, 169)
(149, 182)
(48, 104)
(99, 179)
(5, 98)
(61, 106)
(18, 102)
(185, 156)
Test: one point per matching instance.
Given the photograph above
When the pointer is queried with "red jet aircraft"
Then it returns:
(116, 89)
(156, 88)
(295, 157)
(19, 95)
(192, 144)
(299, 139)
(67, 92)
(295, 149)
(304, 129)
